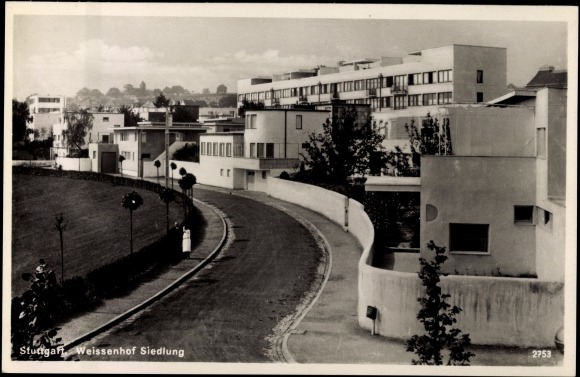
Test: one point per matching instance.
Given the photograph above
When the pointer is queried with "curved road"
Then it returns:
(227, 311)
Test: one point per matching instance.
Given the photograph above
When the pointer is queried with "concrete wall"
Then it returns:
(327, 203)
(479, 190)
(496, 311)
(74, 164)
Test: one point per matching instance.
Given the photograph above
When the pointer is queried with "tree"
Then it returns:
(173, 167)
(182, 114)
(33, 318)
(78, 124)
(121, 159)
(344, 149)
(249, 105)
(143, 88)
(167, 196)
(205, 91)
(131, 117)
(437, 316)
(157, 164)
(128, 89)
(229, 100)
(114, 93)
(161, 101)
(132, 201)
(186, 183)
(20, 117)
(189, 152)
(221, 89)
(96, 93)
(83, 93)
(432, 139)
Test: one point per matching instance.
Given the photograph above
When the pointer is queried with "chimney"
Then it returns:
(548, 68)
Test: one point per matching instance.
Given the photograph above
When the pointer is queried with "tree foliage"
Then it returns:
(20, 116)
(229, 100)
(33, 318)
(221, 89)
(189, 152)
(249, 105)
(78, 125)
(438, 317)
(161, 101)
(344, 148)
(431, 139)
(131, 118)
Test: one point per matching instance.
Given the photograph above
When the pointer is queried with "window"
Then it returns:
(305, 145)
(124, 136)
(127, 155)
(221, 172)
(239, 150)
(444, 76)
(443, 98)
(251, 121)
(105, 119)
(209, 149)
(105, 139)
(479, 97)
(298, 122)
(202, 149)
(388, 82)
(347, 86)
(229, 150)
(523, 214)
(314, 89)
(479, 78)
(400, 102)
(228, 172)
(541, 142)
(222, 147)
(414, 79)
(400, 81)
(241, 97)
(374, 102)
(260, 150)
(269, 150)
(429, 99)
(373, 83)
(359, 85)
(386, 102)
(263, 175)
(268, 95)
(414, 100)
(252, 150)
(429, 78)
(94, 154)
(285, 93)
(469, 237)
(324, 88)
(145, 155)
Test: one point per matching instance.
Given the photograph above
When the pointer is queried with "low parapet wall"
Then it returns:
(496, 310)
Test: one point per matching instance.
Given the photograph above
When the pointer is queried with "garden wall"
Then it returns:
(82, 164)
(36, 163)
(327, 203)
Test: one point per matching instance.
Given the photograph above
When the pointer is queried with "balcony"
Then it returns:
(302, 99)
(372, 92)
(334, 95)
(275, 102)
(254, 163)
(399, 90)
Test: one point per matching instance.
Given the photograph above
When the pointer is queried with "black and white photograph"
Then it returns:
(367, 189)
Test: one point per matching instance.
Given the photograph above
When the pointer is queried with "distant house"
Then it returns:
(44, 112)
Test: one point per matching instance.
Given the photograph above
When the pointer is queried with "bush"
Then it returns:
(189, 152)
(284, 175)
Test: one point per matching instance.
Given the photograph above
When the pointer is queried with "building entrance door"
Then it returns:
(250, 180)
(108, 162)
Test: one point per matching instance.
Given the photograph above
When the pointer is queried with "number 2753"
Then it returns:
(543, 354)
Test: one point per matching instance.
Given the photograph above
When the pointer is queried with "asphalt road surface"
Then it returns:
(227, 311)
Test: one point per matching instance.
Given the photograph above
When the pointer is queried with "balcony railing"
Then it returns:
(302, 99)
(399, 89)
(372, 92)
(334, 95)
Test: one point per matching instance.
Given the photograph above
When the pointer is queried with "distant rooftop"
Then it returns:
(547, 77)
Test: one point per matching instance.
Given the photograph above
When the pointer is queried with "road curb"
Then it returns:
(137, 308)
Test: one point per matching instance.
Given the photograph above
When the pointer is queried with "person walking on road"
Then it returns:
(186, 244)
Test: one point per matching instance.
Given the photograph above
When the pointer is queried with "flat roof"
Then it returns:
(513, 95)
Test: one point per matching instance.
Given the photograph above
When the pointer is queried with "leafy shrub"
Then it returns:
(284, 175)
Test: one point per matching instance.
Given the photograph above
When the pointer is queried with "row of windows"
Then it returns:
(261, 150)
(252, 118)
(52, 100)
(348, 86)
(399, 102)
(219, 149)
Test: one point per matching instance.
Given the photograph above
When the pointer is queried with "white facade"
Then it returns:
(270, 144)
(45, 111)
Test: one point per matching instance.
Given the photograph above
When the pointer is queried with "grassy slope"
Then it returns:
(98, 225)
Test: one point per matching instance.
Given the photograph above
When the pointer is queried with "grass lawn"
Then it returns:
(98, 225)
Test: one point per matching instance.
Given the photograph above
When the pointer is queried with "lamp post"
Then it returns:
(60, 225)
(168, 123)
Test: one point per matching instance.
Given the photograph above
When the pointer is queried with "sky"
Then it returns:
(61, 49)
